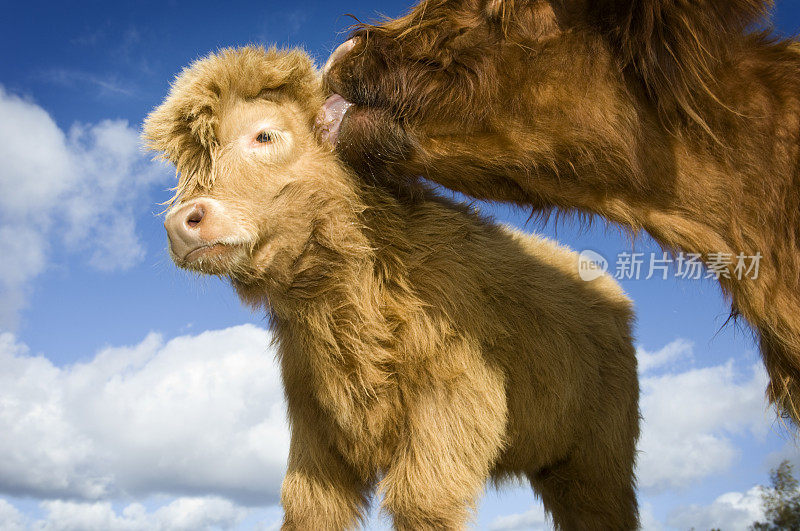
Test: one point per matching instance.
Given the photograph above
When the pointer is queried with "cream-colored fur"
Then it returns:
(424, 349)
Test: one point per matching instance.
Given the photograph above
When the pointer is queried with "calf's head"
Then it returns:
(254, 181)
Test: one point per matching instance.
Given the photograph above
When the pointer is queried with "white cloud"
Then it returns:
(733, 511)
(198, 513)
(532, 520)
(789, 452)
(10, 518)
(24, 250)
(201, 417)
(198, 415)
(647, 519)
(78, 187)
(689, 418)
(664, 358)
(182, 514)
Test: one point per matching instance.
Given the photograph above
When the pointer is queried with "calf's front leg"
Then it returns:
(454, 435)
(320, 492)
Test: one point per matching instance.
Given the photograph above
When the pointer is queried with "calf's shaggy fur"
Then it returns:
(674, 117)
(423, 348)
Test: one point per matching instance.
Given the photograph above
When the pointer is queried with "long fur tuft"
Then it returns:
(184, 127)
(676, 46)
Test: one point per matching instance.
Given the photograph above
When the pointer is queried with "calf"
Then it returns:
(423, 348)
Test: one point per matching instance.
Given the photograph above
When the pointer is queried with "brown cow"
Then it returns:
(673, 117)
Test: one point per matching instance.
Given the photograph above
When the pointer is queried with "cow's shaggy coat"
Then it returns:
(423, 348)
(675, 117)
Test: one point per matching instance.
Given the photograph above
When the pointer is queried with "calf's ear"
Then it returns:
(674, 46)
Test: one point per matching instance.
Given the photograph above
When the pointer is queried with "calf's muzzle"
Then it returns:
(196, 225)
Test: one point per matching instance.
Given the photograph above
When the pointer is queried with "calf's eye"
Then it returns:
(264, 138)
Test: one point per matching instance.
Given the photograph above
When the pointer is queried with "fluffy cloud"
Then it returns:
(182, 514)
(689, 418)
(79, 187)
(198, 415)
(647, 519)
(733, 511)
(678, 350)
(10, 518)
(201, 418)
(532, 520)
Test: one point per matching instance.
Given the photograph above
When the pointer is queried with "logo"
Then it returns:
(591, 265)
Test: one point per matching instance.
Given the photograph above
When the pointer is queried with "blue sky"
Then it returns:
(132, 394)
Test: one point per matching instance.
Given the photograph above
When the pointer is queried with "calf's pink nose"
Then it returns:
(195, 217)
(187, 227)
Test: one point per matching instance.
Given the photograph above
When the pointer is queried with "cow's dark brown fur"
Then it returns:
(679, 118)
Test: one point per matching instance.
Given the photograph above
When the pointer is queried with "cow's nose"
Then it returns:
(186, 229)
(195, 217)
